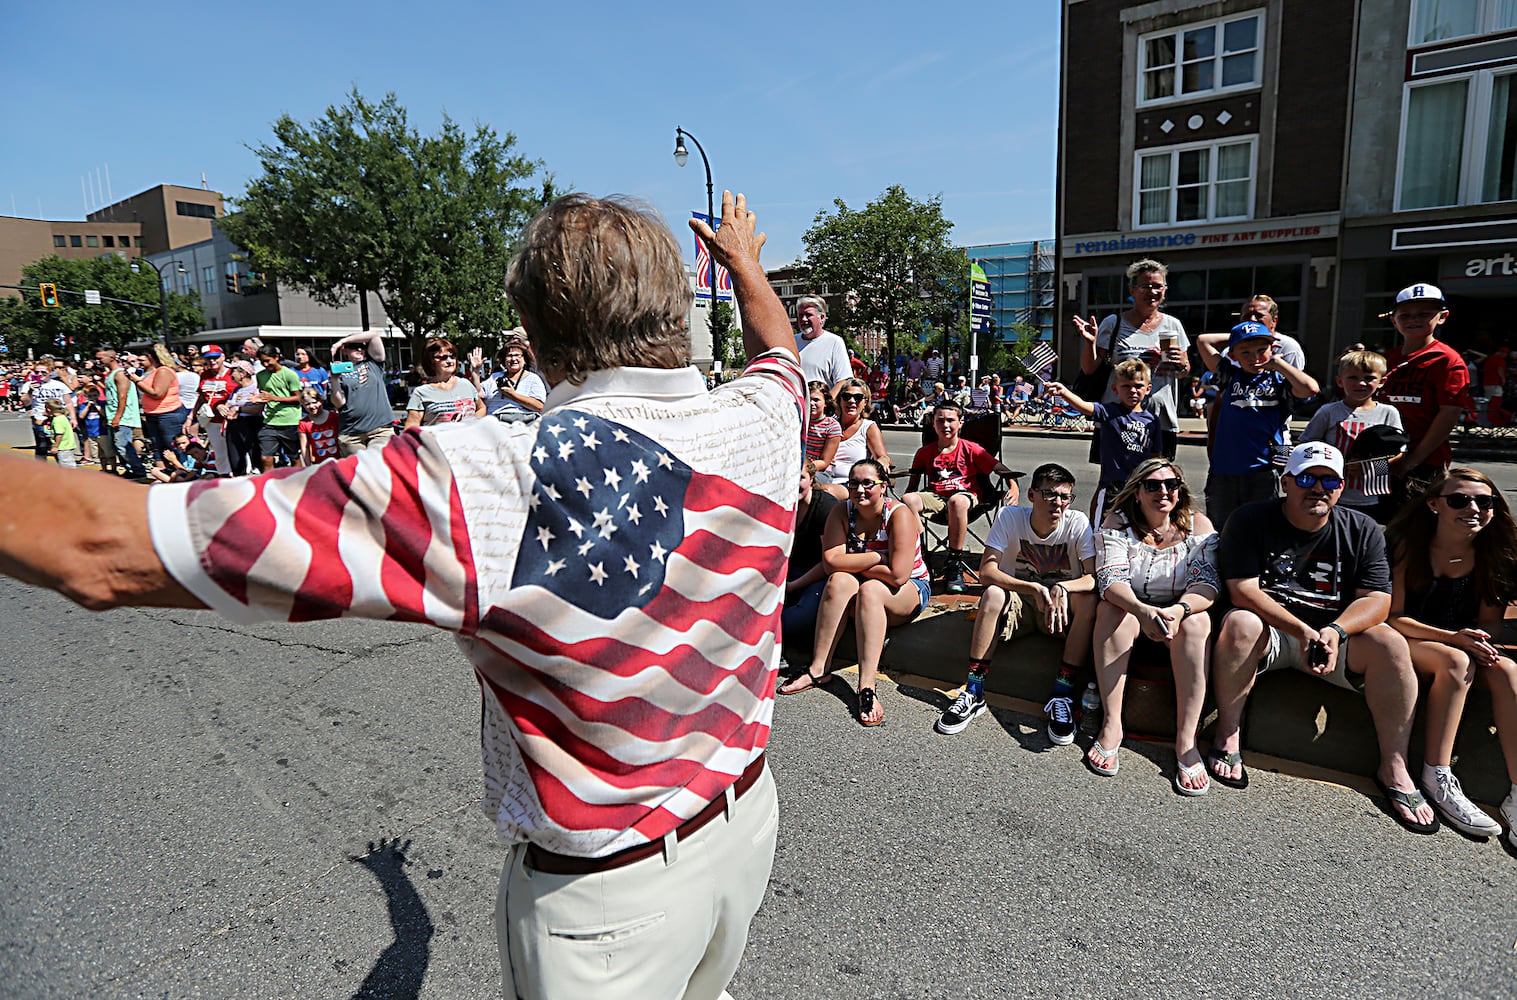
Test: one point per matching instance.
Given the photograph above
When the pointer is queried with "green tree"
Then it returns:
(895, 254)
(726, 340)
(359, 199)
(77, 328)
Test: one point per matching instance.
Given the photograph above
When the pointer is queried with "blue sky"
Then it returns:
(812, 102)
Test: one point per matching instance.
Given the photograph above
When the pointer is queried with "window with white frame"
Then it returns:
(1197, 182)
(1199, 59)
(1440, 20)
(1459, 141)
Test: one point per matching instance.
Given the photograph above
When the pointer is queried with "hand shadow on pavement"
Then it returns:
(398, 972)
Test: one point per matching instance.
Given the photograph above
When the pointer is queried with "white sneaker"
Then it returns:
(1509, 813)
(1448, 798)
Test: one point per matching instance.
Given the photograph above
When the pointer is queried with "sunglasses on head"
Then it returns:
(1459, 501)
(1306, 480)
(852, 397)
(864, 484)
(1165, 485)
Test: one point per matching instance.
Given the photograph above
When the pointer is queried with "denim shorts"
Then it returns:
(924, 593)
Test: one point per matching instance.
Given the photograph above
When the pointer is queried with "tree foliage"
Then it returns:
(77, 328)
(726, 339)
(358, 199)
(896, 255)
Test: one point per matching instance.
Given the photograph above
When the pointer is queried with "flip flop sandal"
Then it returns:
(817, 680)
(866, 706)
(1227, 758)
(1411, 801)
(1191, 771)
(1110, 764)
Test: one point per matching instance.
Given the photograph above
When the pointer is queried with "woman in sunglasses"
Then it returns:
(444, 397)
(1454, 558)
(1156, 568)
(871, 548)
(861, 437)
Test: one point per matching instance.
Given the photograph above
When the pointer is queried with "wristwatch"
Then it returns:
(1342, 635)
(1185, 610)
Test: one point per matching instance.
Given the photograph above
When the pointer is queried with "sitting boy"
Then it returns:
(1258, 391)
(1038, 571)
(950, 468)
(1129, 430)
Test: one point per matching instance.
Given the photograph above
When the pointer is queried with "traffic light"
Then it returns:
(231, 283)
(49, 295)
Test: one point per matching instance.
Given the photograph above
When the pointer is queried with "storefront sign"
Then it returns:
(1236, 234)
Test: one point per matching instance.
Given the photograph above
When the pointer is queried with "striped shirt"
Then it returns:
(615, 574)
(818, 433)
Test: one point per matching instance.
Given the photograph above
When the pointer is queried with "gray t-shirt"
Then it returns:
(1164, 397)
(439, 405)
(366, 401)
(1338, 425)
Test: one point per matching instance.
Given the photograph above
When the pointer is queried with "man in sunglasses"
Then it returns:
(1310, 589)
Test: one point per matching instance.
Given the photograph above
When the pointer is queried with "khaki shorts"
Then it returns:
(1019, 617)
(352, 444)
(1284, 653)
(936, 503)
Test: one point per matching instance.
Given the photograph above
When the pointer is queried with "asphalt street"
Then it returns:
(197, 809)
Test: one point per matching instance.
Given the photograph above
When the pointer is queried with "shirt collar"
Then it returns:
(645, 383)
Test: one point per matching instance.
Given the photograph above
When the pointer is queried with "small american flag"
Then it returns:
(1374, 476)
(1040, 357)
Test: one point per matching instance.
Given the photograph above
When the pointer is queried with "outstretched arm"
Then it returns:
(736, 246)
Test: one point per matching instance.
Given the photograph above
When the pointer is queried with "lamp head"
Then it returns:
(681, 154)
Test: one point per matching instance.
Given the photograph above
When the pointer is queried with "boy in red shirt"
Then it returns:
(1429, 384)
(951, 467)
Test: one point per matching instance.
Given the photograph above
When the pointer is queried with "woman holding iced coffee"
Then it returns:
(1145, 332)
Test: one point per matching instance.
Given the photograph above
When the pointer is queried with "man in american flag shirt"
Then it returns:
(615, 575)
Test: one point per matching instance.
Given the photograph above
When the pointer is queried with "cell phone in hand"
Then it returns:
(342, 367)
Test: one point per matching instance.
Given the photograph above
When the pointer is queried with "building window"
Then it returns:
(1459, 141)
(92, 241)
(1198, 59)
(76, 241)
(1205, 182)
(126, 241)
(195, 211)
(60, 241)
(1440, 20)
(110, 241)
(208, 279)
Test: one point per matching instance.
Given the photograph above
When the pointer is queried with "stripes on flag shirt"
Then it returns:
(615, 573)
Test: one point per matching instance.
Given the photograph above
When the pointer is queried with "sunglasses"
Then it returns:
(1306, 480)
(852, 397)
(864, 484)
(1162, 485)
(444, 357)
(1054, 496)
(1459, 501)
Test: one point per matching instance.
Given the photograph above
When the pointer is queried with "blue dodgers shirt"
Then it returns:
(1251, 417)
(1127, 438)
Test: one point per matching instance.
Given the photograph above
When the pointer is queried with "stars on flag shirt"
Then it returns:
(615, 573)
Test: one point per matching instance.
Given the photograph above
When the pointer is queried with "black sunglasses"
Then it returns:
(852, 397)
(1459, 501)
(1167, 485)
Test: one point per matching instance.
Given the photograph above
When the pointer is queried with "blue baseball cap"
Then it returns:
(1248, 330)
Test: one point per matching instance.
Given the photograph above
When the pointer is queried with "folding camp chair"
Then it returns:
(984, 429)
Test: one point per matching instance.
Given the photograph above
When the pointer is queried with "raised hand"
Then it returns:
(1088, 328)
(738, 241)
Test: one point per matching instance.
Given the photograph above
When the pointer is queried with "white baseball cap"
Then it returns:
(1314, 453)
(1419, 293)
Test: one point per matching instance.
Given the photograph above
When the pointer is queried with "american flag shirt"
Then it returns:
(615, 573)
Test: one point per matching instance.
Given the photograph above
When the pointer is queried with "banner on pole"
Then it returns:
(979, 299)
(703, 265)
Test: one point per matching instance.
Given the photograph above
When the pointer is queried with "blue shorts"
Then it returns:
(924, 593)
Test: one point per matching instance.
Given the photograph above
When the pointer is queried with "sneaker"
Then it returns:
(963, 711)
(1061, 721)
(953, 579)
(1509, 813)
(1448, 798)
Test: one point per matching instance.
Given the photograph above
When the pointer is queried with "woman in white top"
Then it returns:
(1156, 569)
(872, 551)
(861, 436)
(514, 394)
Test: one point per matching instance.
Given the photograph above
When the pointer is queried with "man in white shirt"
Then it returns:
(824, 355)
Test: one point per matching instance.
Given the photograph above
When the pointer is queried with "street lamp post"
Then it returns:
(681, 155)
(163, 302)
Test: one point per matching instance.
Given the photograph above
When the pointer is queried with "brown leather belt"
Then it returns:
(540, 859)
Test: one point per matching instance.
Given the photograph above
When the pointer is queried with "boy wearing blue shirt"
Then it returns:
(1129, 430)
(1258, 390)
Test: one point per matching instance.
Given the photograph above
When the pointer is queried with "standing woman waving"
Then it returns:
(1143, 331)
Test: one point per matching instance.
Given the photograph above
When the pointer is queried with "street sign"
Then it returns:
(92, 296)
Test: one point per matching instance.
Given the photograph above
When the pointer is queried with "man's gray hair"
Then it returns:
(810, 300)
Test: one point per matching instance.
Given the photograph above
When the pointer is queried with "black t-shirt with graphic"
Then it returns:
(1312, 574)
